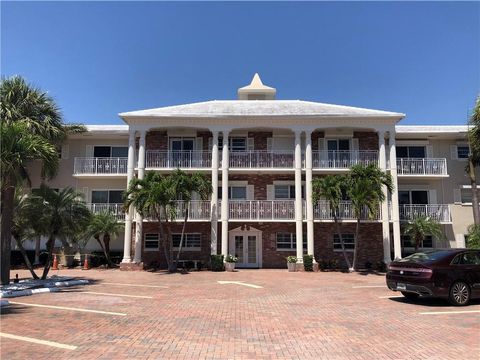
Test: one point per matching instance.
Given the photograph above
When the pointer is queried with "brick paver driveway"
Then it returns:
(283, 316)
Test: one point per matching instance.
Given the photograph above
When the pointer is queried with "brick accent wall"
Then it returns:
(156, 140)
(260, 139)
(260, 182)
(366, 140)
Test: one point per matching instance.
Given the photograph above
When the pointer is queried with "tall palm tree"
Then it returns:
(365, 190)
(331, 188)
(418, 228)
(31, 129)
(105, 225)
(185, 185)
(64, 213)
(474, 158)
(154, 197)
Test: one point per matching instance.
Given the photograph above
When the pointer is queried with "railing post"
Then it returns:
(96, 166)
(424, 169)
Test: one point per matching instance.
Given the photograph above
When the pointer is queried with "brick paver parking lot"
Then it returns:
(192, 316)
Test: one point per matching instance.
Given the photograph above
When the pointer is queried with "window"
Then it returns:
(182, 144)
(466, 196)
(151, 242)
(348, 242)
(234, 193)
(418, 197)
(338, 144)
(468, 258)
(288, 241)
(110, 151)
(407, 242)
(410, 151)
(287, 192)
(107, 196)
(234, 143)
(191, 241)
(463, 151)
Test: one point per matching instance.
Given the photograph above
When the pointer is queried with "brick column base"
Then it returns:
(132, 266)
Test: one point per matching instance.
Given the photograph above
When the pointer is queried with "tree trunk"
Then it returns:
(26, 259)
(50, 246)
(339, 232)
(418, 240)
(37, 250)
(8, 195)
(473, 183)
(355, 250)
(185, 220)
(106, 250)
(164, 241)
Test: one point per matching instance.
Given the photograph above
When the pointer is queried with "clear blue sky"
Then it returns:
(99, 59)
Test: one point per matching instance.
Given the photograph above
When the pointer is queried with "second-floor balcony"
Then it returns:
(262, 159)
(422, 167)
(106, 166)
(438, 212)
(346, 211)
(343, 159)
(260, 210)
(165, 159)
(115, 209)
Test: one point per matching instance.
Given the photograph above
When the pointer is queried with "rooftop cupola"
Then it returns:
(256, 90)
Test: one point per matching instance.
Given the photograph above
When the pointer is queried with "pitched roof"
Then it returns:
(231, 108)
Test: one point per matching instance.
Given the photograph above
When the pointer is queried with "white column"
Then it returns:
(298, 196)
(127, 244)
(139, 218)
(214, 201)
(397, 245)
(224, 213)
(382, 163)
(308, 191)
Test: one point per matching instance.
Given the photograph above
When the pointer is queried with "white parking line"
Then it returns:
(449, 312)
(139, 285)
(68, 308)
(369, 286)
(391, 297)
(240, 283)
(38, 341)
(110, 294)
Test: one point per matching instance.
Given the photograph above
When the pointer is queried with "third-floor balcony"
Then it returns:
(100, 166)
(343, 159)
(418, 167)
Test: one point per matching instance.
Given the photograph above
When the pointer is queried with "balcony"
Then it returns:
(99, 166)
(422, 167)
(164, 159)
(262, 159)
(439, 212)
(343, 159)
(323, 212)
(198, 210)
(115, 209)
(261, 210)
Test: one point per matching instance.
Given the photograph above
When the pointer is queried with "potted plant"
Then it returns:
(230, 261)
(291, 263)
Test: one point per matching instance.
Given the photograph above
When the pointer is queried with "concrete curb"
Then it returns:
(52, 287)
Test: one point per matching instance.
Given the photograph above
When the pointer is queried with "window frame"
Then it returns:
(186, 240)
(428, 238)
(408, 151)
(293, 241)
(145, 248)
(230, 143)
(337, 245)
(458, 152)
(111, 147)
(108, 195)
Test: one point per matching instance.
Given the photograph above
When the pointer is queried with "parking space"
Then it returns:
(249, 314)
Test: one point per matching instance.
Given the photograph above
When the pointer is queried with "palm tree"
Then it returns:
(154, 197)
(331, 188)
(105, 224)
(185, 185)
(31, 129)
(473, 237)
(365, 190)
(63, 212)
(421, 226)
(474, 158)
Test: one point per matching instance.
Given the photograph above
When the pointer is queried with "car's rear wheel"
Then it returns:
(409, 295)
(459, 294)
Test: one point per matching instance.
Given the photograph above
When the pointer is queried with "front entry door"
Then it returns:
(245, 248)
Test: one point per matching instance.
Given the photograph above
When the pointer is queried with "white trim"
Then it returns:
(144, 241)
(184, 247)
(238, 231)
(413, 142)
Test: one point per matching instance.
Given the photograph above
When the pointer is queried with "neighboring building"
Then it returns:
(261, 154)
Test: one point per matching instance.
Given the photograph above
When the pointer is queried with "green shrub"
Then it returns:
(231, 259)
(217, 263)
(308, 262)
(473, 237)
(292, 259)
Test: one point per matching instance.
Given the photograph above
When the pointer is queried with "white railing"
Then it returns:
(261, 209)
(262, 159)
(421, 166)
(178, 159)
(100, 166)
(198, 210)
(343, 159)
(115, 209)
(438, 212)
(322, 211)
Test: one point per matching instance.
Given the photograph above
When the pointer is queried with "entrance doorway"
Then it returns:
(246, 245)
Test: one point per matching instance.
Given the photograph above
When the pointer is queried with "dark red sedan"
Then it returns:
(452, 274)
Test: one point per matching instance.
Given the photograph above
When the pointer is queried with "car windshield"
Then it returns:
(426, 256)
